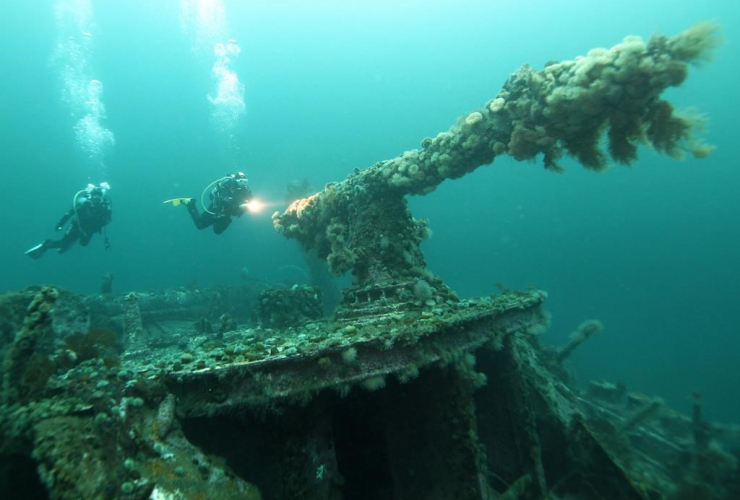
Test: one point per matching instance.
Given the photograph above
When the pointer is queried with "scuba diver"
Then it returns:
(90, 213)
(229, 198)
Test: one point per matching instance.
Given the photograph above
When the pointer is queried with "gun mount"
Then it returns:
(362, 224)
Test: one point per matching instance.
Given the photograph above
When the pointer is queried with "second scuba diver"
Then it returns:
(90, 213)
(228, 198)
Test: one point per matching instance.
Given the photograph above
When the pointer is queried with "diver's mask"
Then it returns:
(99, 190)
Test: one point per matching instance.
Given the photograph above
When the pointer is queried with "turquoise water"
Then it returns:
(652, 250)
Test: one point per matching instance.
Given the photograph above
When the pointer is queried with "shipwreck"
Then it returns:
(405, 391)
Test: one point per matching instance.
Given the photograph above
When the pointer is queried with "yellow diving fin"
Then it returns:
(176, 201)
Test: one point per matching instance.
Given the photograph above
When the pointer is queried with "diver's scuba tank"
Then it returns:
(91, 189)
(236, 177)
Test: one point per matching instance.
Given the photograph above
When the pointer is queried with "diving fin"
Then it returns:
(37, 251)
(177, 201)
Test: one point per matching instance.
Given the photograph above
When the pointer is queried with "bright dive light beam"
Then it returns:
(254, 206)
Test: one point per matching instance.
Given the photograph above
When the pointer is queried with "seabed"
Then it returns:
(451, 400)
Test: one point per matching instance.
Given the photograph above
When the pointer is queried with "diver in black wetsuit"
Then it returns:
(228, 199)
(90, 213)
